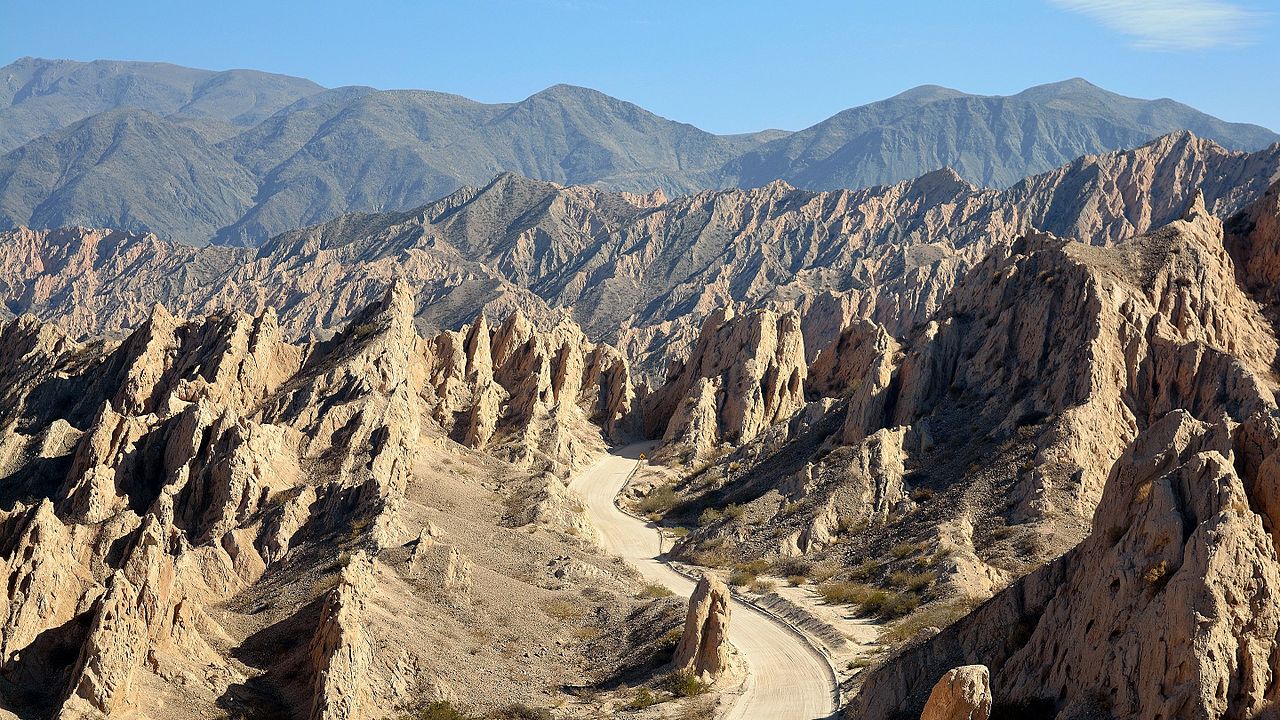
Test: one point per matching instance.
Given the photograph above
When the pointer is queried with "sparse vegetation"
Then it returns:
(796, 580)
(939, 615)
(562, 609)
(904, 550)
(792, 566)
(644, 698)
(710, 516)
(655, 591)
(824, 572)
(865, 570)
(745, 573)
(912, 581)
(761, 587)
(922, 495)
(659, 501)
(1143, 492)
(686, 684)
(869, 600)
(520, 711)
(669, 641)
(844, 593)
(699, 710)
(1156, 572)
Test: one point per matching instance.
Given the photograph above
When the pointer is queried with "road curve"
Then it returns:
(787, 678)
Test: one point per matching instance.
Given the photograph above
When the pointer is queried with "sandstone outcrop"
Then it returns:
(1004, 414)
(530, 395)
(704, 646)
(340, 651)
(1167, 608)
(744, 374)
(196, 463)
(962, 694)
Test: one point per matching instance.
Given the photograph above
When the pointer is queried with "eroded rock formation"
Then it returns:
(1167, 608)
(151, 480)
(962, 694)
(744, 374)
(704, 646)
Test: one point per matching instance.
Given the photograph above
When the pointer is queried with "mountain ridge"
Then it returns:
(312, 153)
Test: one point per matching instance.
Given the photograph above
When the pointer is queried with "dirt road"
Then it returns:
(787, 680)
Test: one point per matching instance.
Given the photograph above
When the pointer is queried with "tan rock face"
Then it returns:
(177, 470)
(532, 396)
(1007, 410)
(743, 374)
(340, 651)
(1168, 607)
(962, 694)
(704, 647)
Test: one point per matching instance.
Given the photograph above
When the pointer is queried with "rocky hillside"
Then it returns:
(1115, 403)
(1168, 606)
(206, 519)
(989, 140)
(640, 271)
(250, 155)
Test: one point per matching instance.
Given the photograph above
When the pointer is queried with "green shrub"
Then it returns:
(741, 578)
(903, 550)
(914, 582)
(710, 516)
(670, 639)
(643, 699)
(655, 591)
(939, 615)
(658, 501)
(865, 570)
(792, 566)
(897, 605)
(685, 684)
(845, 593)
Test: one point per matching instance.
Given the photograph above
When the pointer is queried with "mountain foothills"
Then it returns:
(237, 157)
(994, 441)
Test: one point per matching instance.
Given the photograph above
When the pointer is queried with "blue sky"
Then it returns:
(724, 66)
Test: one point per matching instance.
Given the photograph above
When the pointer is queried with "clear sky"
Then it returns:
(723, 66)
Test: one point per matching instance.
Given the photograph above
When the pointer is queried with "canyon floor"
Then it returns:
(786, 678)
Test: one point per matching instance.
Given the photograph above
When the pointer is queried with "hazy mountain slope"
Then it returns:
(38, 96)
(396, 149)
(126, 169)
(992, 141)
(312, 154)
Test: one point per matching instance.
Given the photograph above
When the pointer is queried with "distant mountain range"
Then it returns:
(237, 157)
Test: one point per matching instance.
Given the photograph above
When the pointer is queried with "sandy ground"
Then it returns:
(787, 679)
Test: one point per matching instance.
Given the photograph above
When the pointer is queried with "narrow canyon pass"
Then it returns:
(343, 403)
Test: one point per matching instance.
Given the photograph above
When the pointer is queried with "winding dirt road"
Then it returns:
(787, 679)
